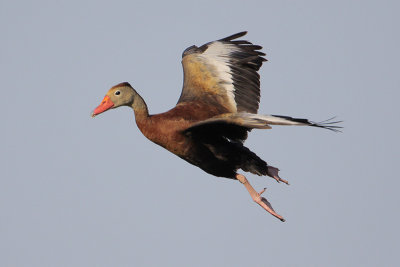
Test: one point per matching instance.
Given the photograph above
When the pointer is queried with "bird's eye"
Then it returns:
(117, 93)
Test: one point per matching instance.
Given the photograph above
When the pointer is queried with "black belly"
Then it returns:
(222, 158)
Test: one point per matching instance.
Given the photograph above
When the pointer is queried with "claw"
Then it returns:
(262, 191)
(266, 202)
(279, 179)
(273, 172)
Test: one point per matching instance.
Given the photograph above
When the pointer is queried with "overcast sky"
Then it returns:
(77, 191)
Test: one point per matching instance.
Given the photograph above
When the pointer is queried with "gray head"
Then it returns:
(119, 95)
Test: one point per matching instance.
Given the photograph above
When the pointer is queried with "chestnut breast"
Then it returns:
(165, 129)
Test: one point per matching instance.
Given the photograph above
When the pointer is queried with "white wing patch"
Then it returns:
(217, 55)
(270, 119)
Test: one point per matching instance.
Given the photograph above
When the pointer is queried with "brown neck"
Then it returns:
(140, 109)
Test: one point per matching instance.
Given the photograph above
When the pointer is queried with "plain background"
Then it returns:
(76, 191)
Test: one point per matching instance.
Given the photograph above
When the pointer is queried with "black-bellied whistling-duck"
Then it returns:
(217, 108)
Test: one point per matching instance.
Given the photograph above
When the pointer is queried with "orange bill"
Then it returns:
(105, 105)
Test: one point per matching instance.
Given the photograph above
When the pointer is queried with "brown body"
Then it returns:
(168, 130)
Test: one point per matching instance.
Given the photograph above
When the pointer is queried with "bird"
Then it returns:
(216, 110)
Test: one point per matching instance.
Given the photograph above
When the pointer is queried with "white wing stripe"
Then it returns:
(269, 119)
(217, 55)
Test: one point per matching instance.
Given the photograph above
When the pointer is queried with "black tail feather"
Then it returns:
(328, 124)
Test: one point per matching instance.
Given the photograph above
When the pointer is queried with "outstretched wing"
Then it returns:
(223, 73)
(235, 126)
(258, 121)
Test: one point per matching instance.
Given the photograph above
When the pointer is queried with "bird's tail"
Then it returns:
(250, 162)
(254, 164)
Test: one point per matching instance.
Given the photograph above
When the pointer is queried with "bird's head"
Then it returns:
(119, 95)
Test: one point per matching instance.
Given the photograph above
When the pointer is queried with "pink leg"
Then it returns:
(273, 172)
(257, 197)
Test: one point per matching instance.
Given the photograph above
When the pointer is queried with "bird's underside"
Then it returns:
(215, 112)
(223, 157)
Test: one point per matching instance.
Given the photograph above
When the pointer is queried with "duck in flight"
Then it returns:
(214, 114)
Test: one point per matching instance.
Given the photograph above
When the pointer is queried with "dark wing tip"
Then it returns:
(234, 36)
(245, 61)
(328, 124)
(194, 49)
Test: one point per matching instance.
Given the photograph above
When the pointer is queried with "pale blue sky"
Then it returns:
(77, 191)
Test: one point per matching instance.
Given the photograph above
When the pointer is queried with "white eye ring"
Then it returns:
(117, 93)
